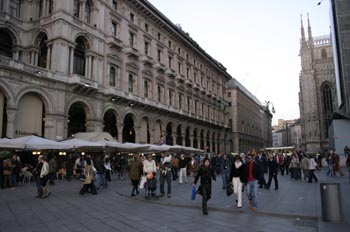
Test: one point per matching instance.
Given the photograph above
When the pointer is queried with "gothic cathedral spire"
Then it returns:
(311, 40)
(302, 41)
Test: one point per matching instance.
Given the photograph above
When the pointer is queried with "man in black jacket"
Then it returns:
(273, 168)
(252, 176)
(206, 174)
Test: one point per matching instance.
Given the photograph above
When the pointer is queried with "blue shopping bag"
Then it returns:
(193, 193)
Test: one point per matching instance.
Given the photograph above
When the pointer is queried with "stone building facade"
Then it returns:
(249, 119)
(317, 96)
(112, 65)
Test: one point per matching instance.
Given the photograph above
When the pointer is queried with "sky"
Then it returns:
(256, 40)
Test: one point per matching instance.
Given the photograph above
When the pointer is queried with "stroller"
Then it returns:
(151, 188)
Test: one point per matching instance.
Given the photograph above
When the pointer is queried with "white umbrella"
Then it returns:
(153, 147)
(32, 142)
(78, 143)
(126, 147)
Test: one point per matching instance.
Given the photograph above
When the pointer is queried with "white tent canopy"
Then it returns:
(81, 144)
(32, 142)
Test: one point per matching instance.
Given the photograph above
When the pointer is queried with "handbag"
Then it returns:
(229, 189)
(143, 182)
(193, 193)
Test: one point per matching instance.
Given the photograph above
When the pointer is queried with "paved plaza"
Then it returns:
(294, 207)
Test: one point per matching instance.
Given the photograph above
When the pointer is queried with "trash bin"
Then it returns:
(331, 202)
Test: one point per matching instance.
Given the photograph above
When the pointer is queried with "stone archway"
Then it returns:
(110, 123)
(145, 135)
(76, 119)
(169, 134)
(187, 137)
(179, 135)
(195, 138)
(129, 129)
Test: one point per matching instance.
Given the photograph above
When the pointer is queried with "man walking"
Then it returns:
(183, 169)
(273, 169)
(225, 167)
(252, 175)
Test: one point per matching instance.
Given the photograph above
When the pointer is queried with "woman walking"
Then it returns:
(89, 185)
(135, 170)
(237, 177)
(206, 174)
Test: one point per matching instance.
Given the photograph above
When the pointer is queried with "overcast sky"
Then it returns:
(256, 40)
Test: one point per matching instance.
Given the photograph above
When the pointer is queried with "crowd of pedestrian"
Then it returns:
(239, 172)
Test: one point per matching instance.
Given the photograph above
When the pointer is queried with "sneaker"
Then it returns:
(254, 208)
(169, 195)
(205, 212)
(133, 195)
(250, 202)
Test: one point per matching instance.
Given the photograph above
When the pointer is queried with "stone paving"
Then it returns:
(294, 207)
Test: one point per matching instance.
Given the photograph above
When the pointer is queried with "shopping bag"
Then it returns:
(142, 182)
(229, 189)
(193, 193)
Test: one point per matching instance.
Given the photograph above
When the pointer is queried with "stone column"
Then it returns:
(71, 59)
(120, 132)
(32, 58)
(174, 138)
(48, 62)
(11, 117)
(49, 127)
(43, 9)
(191, 140)
(137, 134)
(82, 10)
(183, 139)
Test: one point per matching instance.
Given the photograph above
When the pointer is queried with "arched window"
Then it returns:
(242, 127)
(112, 76)
(76, 8)
(79, 58)
(327, 106)
(5, 44)
(324, 54)
(87, 12)
(42, 56)
(146, 89)
(159, 94)
(131, 84)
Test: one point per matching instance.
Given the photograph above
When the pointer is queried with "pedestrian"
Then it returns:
(52, 170)
(100, 172)
(225, 169)
(261, 162)
(330, 163)
(346, 151)
(16, 169)
(36, 172)
(7, 173)
(175, 167)
(135, 170)
(194, 167)
(108, 170)
(150, 169)
(69, 167)
(336, 161)
(312, 168)
(252, 176)
(273, 170)
(165, 173)
(206, 174)
(287, 161)
(183, 169)
(304, 166)
(44, 177)
(294, 166)
(281, 163)
(89, 185)
(238, 179)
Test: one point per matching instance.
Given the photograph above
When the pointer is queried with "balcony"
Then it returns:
(170, 72)
(130, 51)
(147, 59)
(159, 67)
(209, 93)
(113, 41)
(85, 82)
(196, 87)
(188, 82)
(203, 91)
(180, 78)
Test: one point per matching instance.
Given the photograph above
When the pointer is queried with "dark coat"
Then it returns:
(206, 174)
(69, 167)
(135, 170)
(273, 167)
(238, 172)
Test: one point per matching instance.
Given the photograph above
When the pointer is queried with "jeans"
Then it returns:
(101, 180)
(225, 178)
(330, 170)
(274, 176)
(14, 179)
(252, 192)
(166, 178)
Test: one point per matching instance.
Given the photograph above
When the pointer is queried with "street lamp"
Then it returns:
(273, 107)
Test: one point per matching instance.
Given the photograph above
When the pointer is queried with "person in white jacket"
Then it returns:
(44, 177)
(149, 165)
(312, 167)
